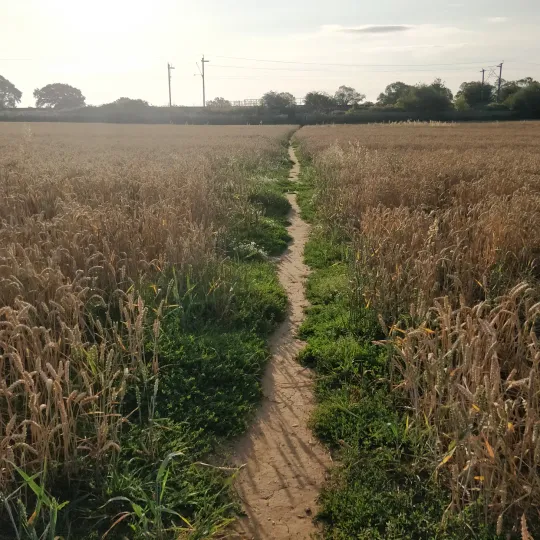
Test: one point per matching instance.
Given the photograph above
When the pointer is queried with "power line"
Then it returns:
(351, 65)
(337, 71)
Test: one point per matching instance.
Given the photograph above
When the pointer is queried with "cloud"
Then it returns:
(413, 37)
(495, 20)
(376, 29)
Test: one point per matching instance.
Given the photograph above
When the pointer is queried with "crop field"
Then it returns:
(135, 300)
(425, 326)
(139, 293)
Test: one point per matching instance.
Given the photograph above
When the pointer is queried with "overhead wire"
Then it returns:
(353, 65)
(337, 71)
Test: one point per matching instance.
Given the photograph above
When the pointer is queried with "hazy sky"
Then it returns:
(113, 48)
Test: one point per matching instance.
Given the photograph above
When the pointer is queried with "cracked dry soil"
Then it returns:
(285, 466)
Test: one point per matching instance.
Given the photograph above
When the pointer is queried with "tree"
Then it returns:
(427, 98)
(129, 102)
(275, 100)
(526, 101)
(346, 95)
(476, 94)
(439, 86)
(393, 93)
(218, 102)
(508, 88)
(460, 103)
(59, 96)
(319, 101)
(10, 95)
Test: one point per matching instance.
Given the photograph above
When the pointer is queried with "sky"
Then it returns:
(115, 48)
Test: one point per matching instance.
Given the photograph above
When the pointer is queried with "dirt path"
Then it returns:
(285, 465)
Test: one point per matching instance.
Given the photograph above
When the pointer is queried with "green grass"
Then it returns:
(262, 233)
(306, 192)
(263, 236)
(375, 496)
(269, 198)
(383, 486)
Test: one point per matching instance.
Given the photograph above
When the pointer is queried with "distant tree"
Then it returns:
(218, 102)
(319, 101)
(526, 101)
(427, 98)
(275, 100)
(59, 96)
(439, 86)
(125, 101)
(393, 93)
(476, 94)
(346, 95)
(10, 95)
(460, 103)
(509, 88)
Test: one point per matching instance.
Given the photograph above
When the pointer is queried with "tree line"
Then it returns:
(56, 96)
(522, 96)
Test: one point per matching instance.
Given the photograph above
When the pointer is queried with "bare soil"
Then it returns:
(285, 466)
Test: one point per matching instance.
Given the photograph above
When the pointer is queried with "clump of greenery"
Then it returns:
(305, 187)
(268, 196)
(262, 232)
(268, 235)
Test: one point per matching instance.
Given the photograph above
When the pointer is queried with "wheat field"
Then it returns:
(93, 220)
(115, 240)
(443, 224)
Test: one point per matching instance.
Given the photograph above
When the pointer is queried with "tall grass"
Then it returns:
(443, 225)
(106, 232)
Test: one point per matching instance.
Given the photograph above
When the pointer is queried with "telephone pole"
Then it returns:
(169, 67)
(500, 81)
(203, 61)
(483, 71)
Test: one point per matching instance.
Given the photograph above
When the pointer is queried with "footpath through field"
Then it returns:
(285, 466)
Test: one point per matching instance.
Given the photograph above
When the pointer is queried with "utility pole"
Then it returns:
(483, 71)
(203, 61)
(500, 81)
(169, 67)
